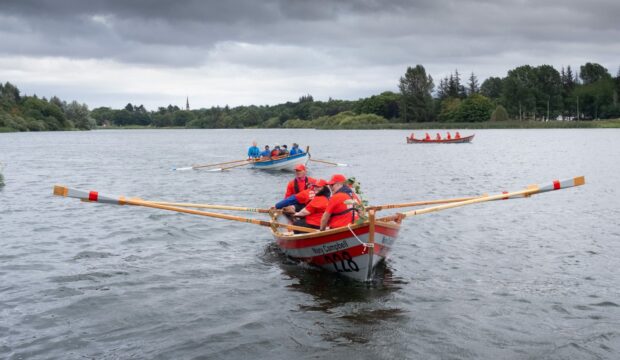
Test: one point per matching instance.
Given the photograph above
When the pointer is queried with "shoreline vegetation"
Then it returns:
(598, 124)
(527, 97)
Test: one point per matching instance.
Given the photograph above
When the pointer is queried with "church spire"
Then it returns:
(187, 103)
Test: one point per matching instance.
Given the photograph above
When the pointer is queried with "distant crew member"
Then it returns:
(253, 151)
(438, 137)
(296, 150)
(266, 154)
(339, 212)
(299, 183)
(413, 137)
(276, 151)
(449, 137)
(457, 136)
(427, 137)
(284, 150)
(312, 214)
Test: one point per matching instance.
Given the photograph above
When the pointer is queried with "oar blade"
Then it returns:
(183, 168)
(215, 170)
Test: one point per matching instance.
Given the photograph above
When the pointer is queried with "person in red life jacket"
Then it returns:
(311, 215)
(457, 135)
(427, 137)
(448, 136)
(296, 202)
(276, 151)
(299, 183)
(338, 213)
(438, 137)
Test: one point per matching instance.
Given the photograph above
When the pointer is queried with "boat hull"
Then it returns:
(346, 251)
(287, 163)
(465, 139)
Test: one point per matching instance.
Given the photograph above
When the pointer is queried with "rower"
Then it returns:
(438, 137)
(427, 137)
(296, 202)
(266, 154)
(299, 183)
(449, 137)
(412, 137)
(340, 211)
(253, 151)
(311, 215)
(276, 151)
(457, 136)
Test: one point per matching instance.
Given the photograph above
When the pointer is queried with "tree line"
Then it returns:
(525, 93)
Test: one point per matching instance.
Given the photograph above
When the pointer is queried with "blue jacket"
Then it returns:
(266, 153)
(291, 200)
(296, 150)
(253, 152)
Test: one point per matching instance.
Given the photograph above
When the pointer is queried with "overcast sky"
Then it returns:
(242, 52)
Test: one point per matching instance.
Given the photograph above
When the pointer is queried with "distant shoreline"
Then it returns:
(513, 124)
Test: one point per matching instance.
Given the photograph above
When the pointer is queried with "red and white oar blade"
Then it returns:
(552, 186)
(90, 196)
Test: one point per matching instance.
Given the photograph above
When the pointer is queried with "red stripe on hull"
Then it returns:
(286, 243)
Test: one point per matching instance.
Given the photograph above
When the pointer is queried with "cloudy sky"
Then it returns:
(242, 52)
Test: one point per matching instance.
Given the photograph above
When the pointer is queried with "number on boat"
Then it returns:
(347, 264)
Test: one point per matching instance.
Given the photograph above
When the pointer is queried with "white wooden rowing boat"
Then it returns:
(286, 163)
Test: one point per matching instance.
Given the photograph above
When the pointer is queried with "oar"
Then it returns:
(248, 162)
(193, 167)
(531, 190)
(328, 162)
(94, 196)
(212, 206)
(419, 203)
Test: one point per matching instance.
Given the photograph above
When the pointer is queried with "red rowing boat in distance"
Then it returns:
(464, 139)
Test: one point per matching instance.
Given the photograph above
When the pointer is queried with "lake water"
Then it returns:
(520, 279)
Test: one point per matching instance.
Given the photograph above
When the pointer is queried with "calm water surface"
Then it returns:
(521, 279)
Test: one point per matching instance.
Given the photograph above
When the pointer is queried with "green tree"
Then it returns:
(499, 114)
(79, 115)
(593, 72)
(416, 88)
(476, 108)
(492, 88)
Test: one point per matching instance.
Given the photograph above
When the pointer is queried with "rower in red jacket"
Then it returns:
(457, 136)
(438, 137)
(427, 137)
(449, 137)
(299, 183)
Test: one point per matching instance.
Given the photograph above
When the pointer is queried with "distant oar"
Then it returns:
(193, 167)
(230, 167)
(212, 206)
(94, 196)
(531, 190)
(328, 162)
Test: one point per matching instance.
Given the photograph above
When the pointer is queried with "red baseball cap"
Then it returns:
(336, 179)
(300, 167)
(320, 182)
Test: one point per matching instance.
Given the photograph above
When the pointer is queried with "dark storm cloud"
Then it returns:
(184, 32)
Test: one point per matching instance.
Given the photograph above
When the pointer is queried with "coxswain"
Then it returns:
(449, 137)
(340, 210)
(438, 137)
(299, 183)
(265, 154)
(311, 215)
(253, 151)
(457, 135)
(427, 137)
(295, 150)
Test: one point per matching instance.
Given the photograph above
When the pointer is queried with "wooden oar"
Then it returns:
(328, 162)
(94, 196)
(212, 206)
(531, 190)
(248, 162)
(193, 167)
(420, 203)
